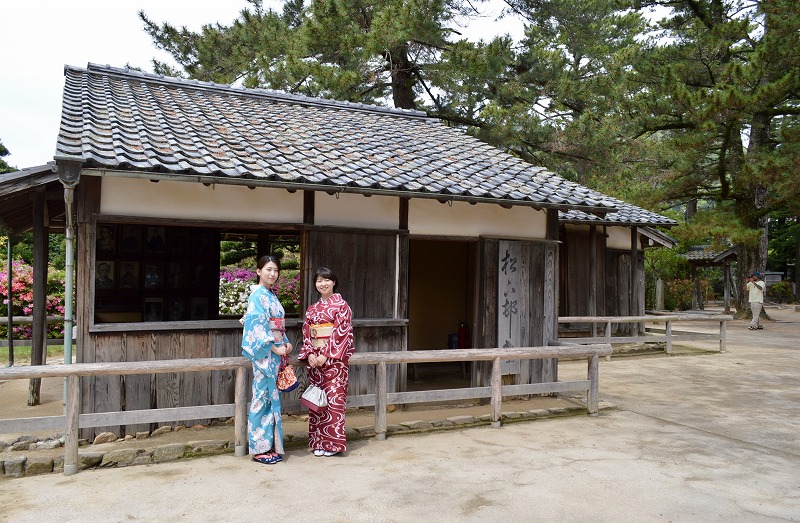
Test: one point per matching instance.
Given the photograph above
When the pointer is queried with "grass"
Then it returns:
(22, 353)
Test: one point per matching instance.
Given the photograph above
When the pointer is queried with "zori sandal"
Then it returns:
(266, 459)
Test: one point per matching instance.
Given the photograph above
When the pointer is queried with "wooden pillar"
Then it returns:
(695, 287)
(39, 325)
(633, 304)
(593, 275)
(380, 401)
(727, 281)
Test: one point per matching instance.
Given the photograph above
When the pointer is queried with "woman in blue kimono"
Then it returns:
(264, 341)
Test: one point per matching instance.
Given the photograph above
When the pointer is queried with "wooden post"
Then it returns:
(727, 286)
(40, 263)
(240, 412)
(594, 385)
(723, 330)
(668, 334)
(497, 393)
(72, 427)
(608, 337)
(380, 401)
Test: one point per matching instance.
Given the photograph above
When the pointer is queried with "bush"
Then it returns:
(234, 289)
(22, 298)
(679, 293)
(781, 291)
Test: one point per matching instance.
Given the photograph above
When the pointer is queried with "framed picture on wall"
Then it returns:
(130, 239)
(106, 238)
(104, 275)
(153, 276)
(153, 309)
(155, 240)
(198, 309)
(128, 275)
(176, 309)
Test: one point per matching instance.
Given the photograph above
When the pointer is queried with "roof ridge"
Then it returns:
(239, 91)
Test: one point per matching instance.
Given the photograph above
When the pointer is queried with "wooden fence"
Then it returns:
(652, 334)
(73, 420)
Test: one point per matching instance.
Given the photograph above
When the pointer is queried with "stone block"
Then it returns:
(105, 437)
(120, 458)
(22, 446)
(142, 435)
(510, 415)
(207, 448)
(461, 420)
(539, 412)
(58, 463)
(87, 460)
(38, 465)
(417, 424)
(169, 452)
(161, 430)
(15, 468)
(557, 410)
(143, 458)
(47, 444)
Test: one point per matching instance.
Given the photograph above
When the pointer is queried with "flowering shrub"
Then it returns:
(22, 299)
(679, 293)
(234, 289)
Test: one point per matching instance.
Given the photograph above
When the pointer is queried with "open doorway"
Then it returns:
(441, 300)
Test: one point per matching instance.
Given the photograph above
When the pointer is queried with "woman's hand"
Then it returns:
(282, 350)
(317, 360)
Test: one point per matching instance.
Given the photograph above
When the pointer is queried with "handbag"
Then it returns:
(286, 381)
(314, 398)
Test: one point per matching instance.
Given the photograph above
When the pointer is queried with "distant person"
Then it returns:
(755, 287)
(327, 347)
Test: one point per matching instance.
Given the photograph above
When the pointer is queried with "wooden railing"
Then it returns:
(669, 334)
(73, 420)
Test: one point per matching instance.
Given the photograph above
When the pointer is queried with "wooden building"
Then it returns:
(425, 226)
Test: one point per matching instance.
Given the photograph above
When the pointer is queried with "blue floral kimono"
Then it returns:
(264, 427)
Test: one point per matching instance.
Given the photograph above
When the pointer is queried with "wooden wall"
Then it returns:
(538, 264)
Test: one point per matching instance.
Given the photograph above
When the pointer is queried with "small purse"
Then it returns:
(286, 380)
(314, 398)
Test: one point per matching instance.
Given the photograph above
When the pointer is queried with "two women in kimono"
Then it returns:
(264, 341)
(327, 347)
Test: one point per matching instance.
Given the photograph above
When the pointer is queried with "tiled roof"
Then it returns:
(120, 119)
(126, 120)
(626, 215)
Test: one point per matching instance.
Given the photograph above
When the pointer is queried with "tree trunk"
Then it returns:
(402, 71)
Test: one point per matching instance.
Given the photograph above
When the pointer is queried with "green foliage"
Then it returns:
(4, 167)
(355, 50)
(781, 291)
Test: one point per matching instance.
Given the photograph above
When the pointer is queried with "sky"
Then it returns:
(38, 38)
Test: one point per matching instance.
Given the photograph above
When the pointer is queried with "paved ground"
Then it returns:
(709, 437)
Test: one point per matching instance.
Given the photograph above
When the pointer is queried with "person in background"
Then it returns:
(755, 288)
(264, 341)
(327, 347)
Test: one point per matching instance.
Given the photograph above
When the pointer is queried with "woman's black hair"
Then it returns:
(269, 258)
(326, 273)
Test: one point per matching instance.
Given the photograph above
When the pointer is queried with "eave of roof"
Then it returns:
(125, 120)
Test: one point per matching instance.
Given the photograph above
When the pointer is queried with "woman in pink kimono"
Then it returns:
(327, 347)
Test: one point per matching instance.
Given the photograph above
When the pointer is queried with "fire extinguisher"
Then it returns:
(463, 335)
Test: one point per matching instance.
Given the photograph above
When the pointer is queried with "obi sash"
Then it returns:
(277, 324)
(320, 333)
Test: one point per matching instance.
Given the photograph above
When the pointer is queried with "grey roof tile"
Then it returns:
(118, 118)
